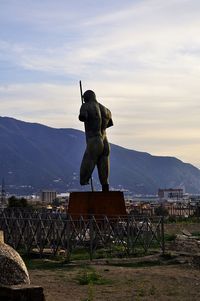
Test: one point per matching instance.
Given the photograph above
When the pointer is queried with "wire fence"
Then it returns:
(41, 232)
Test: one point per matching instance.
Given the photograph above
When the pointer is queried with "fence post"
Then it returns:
(68, 251)
(1, 237)
(162, 234)
(128, 234)
(91, 236)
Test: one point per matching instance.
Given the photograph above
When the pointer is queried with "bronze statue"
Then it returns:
(97, 119)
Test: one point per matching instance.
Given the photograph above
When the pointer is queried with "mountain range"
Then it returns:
(36, 157)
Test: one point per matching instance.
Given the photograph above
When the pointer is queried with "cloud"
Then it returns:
(142, 58)
(53, 105)
(119, 41)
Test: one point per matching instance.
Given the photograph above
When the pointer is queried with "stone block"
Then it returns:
(96, 203)
(21, 293)
(12, 267)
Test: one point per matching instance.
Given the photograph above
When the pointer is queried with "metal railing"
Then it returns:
(40, 231)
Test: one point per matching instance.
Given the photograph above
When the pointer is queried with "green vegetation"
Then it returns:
(49, 260)
(161, 211)
(90, 276)
(114, 252)
(17, 202)
(170, 237)
(143, 289)
(168, 256)
(182, 219)
(87, 274)
(90, 293)
(45, 264)
(80, 254)
(138, 264)
(196, 233)
(152, 290)
(86, 277)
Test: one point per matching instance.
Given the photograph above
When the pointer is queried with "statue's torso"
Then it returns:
(96, 118)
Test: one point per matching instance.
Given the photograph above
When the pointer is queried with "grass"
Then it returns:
(152, 290)
(168, 256)
(45, 264)
(196, 233)
(80, 254)
(170, 237)
(59, 262)
(100, 253)
(139, 264)
(91, 277)
(143, 289)
(182, 220)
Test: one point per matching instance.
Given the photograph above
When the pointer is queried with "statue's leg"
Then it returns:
(103, 166)
(103, 171)
(93, 150)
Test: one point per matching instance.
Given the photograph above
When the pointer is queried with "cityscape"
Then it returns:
(99, 150)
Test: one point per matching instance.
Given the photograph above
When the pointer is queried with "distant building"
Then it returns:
(63, 196)
(195, 199)
(48, 196)
(171, 193)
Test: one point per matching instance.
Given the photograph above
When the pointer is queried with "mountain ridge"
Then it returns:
(34, 156)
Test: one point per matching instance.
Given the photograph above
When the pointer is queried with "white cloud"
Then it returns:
(127, 43)
(141, 58)
(53, 105)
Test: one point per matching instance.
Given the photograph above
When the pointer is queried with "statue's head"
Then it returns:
(89, 95)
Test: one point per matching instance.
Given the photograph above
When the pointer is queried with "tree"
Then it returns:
(56, 202)
(161, 211)
(15, 202)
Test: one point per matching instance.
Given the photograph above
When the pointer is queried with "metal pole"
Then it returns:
(91, 236)
(81, 90)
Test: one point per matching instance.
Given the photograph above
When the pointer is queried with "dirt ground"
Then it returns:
(176, 228)
(166, 282)
(120, 280)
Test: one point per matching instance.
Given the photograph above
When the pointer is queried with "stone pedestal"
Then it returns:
(13, 270)
(21, 293)
(96, 203)
(14, 277)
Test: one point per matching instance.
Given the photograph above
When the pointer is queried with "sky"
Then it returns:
(141, 57)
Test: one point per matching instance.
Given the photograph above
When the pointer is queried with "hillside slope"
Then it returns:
(35, 157)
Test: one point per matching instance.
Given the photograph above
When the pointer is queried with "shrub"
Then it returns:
(161, 211)
(15, 202)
